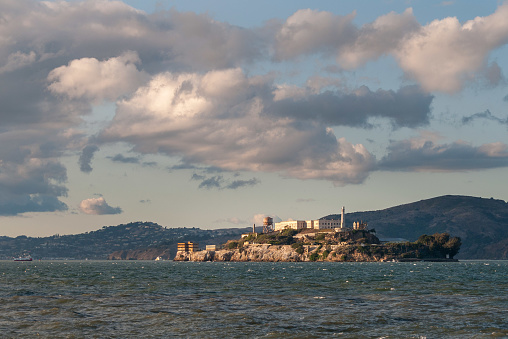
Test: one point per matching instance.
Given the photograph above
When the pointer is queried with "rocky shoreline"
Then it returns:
(283, 253)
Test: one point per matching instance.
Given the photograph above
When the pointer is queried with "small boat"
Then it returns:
(27, 258)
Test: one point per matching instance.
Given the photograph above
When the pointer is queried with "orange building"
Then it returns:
(188, 246)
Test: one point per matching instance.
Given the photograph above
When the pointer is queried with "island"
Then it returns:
(331, 245)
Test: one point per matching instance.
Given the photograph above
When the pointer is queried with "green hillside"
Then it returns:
(99, 244)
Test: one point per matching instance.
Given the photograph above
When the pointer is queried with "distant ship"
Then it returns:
(28, 258)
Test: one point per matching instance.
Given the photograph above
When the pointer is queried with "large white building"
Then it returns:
(313, 224)
(293, 224)
(300, 224)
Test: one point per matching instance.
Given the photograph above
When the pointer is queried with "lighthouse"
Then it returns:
(342, 220)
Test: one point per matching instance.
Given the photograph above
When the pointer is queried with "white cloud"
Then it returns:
(310, 31)
(378, 38)
(97, 80)
(98, 206)
(444, 54)
(220, 119)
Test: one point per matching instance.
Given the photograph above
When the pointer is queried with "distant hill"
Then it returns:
(482, 224)
(99, 244)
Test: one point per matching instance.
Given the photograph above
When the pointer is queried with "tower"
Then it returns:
(342, 220)
(267, 225)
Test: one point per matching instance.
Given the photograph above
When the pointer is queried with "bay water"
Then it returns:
(166, 299)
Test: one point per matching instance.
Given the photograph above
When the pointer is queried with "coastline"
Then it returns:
(286, 253)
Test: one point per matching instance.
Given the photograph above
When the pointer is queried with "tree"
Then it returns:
(232, 245)
(314, 256)
(441, 244)
(441, 238)
(425, 239)
(452, 246)
(298, 247)
(320, 236)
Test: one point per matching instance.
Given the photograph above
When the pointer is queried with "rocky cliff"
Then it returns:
(270, 253)
(287, 253)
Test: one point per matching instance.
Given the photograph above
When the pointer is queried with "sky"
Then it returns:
(214, 114)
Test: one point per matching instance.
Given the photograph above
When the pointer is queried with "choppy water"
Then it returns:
(104, 299)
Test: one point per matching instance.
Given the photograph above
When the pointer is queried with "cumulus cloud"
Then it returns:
(58, 58)
(378, 38)
(441, 56)
(310, 31)
(444, 54)
(221, 119)
(98, 206)
(97, 80)
(421, 154)
(106, 29)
